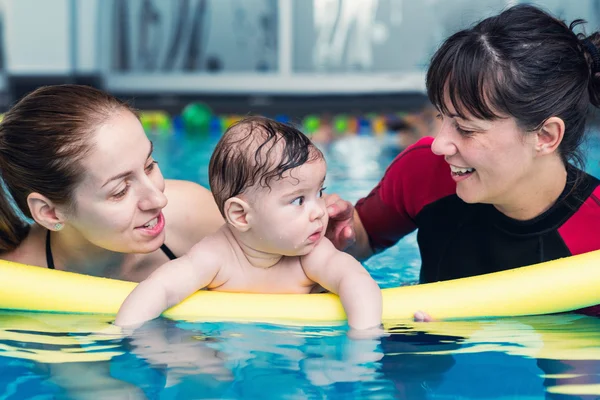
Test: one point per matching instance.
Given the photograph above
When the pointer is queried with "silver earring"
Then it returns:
(58, 226)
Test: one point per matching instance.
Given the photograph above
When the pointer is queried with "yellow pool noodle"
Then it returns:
(556, 286)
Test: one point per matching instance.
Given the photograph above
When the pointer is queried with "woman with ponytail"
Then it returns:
(502, 184)
(81, 192)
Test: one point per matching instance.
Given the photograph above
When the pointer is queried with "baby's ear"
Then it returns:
(236, 213)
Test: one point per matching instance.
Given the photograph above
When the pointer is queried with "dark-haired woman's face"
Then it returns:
(119, 203)
(491, 161)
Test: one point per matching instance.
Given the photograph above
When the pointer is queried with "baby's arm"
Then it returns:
(342, 274)
(169, 285)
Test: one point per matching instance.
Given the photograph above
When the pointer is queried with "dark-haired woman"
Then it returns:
(501, 185)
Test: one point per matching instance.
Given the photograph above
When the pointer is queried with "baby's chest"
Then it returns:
(286, 277)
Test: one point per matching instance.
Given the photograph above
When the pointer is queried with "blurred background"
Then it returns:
(334, 66)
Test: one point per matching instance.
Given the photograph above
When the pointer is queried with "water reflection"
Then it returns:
(70, 356)
(545, 356)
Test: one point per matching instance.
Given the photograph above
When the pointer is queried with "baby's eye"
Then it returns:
(298, 201)
(321, 191)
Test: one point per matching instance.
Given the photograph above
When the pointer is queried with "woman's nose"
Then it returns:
(153, 197)
(443, 144)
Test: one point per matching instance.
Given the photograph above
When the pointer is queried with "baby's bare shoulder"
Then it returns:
(222, 246)
(213, 245)
(319, 256)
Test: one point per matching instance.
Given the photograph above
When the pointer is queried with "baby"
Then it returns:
(267, 180)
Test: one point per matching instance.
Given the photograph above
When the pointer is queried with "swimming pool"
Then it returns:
(533, 357)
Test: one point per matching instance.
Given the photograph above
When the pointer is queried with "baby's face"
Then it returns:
(291, 218)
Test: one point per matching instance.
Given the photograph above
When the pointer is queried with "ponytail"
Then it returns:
(591, 48)
(13, 229)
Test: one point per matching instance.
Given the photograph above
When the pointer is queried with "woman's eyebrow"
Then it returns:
(127, 173)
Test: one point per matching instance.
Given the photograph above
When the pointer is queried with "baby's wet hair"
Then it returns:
(254, 151)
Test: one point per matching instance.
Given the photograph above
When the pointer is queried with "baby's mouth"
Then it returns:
(316, 234)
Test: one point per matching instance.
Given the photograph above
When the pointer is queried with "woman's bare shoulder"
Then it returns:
(191, 213)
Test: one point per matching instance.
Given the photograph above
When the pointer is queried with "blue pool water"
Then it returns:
(46, 356)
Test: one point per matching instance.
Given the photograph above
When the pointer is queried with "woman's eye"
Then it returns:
(150, 166)
(298, 201)
(122, 193)
(464, 132)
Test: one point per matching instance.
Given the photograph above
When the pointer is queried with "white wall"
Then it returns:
(61, 37)
(86, 38)
(37, 37)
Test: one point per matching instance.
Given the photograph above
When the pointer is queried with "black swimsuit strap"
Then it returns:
(168, 252)
(49, 258)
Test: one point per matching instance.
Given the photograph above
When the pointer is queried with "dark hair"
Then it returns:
(245, 156)
(43, 138)
(522, 63)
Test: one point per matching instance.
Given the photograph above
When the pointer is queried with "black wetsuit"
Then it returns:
(457, 239)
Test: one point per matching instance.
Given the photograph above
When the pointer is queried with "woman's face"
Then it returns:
(491, 161)
(118, 204)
